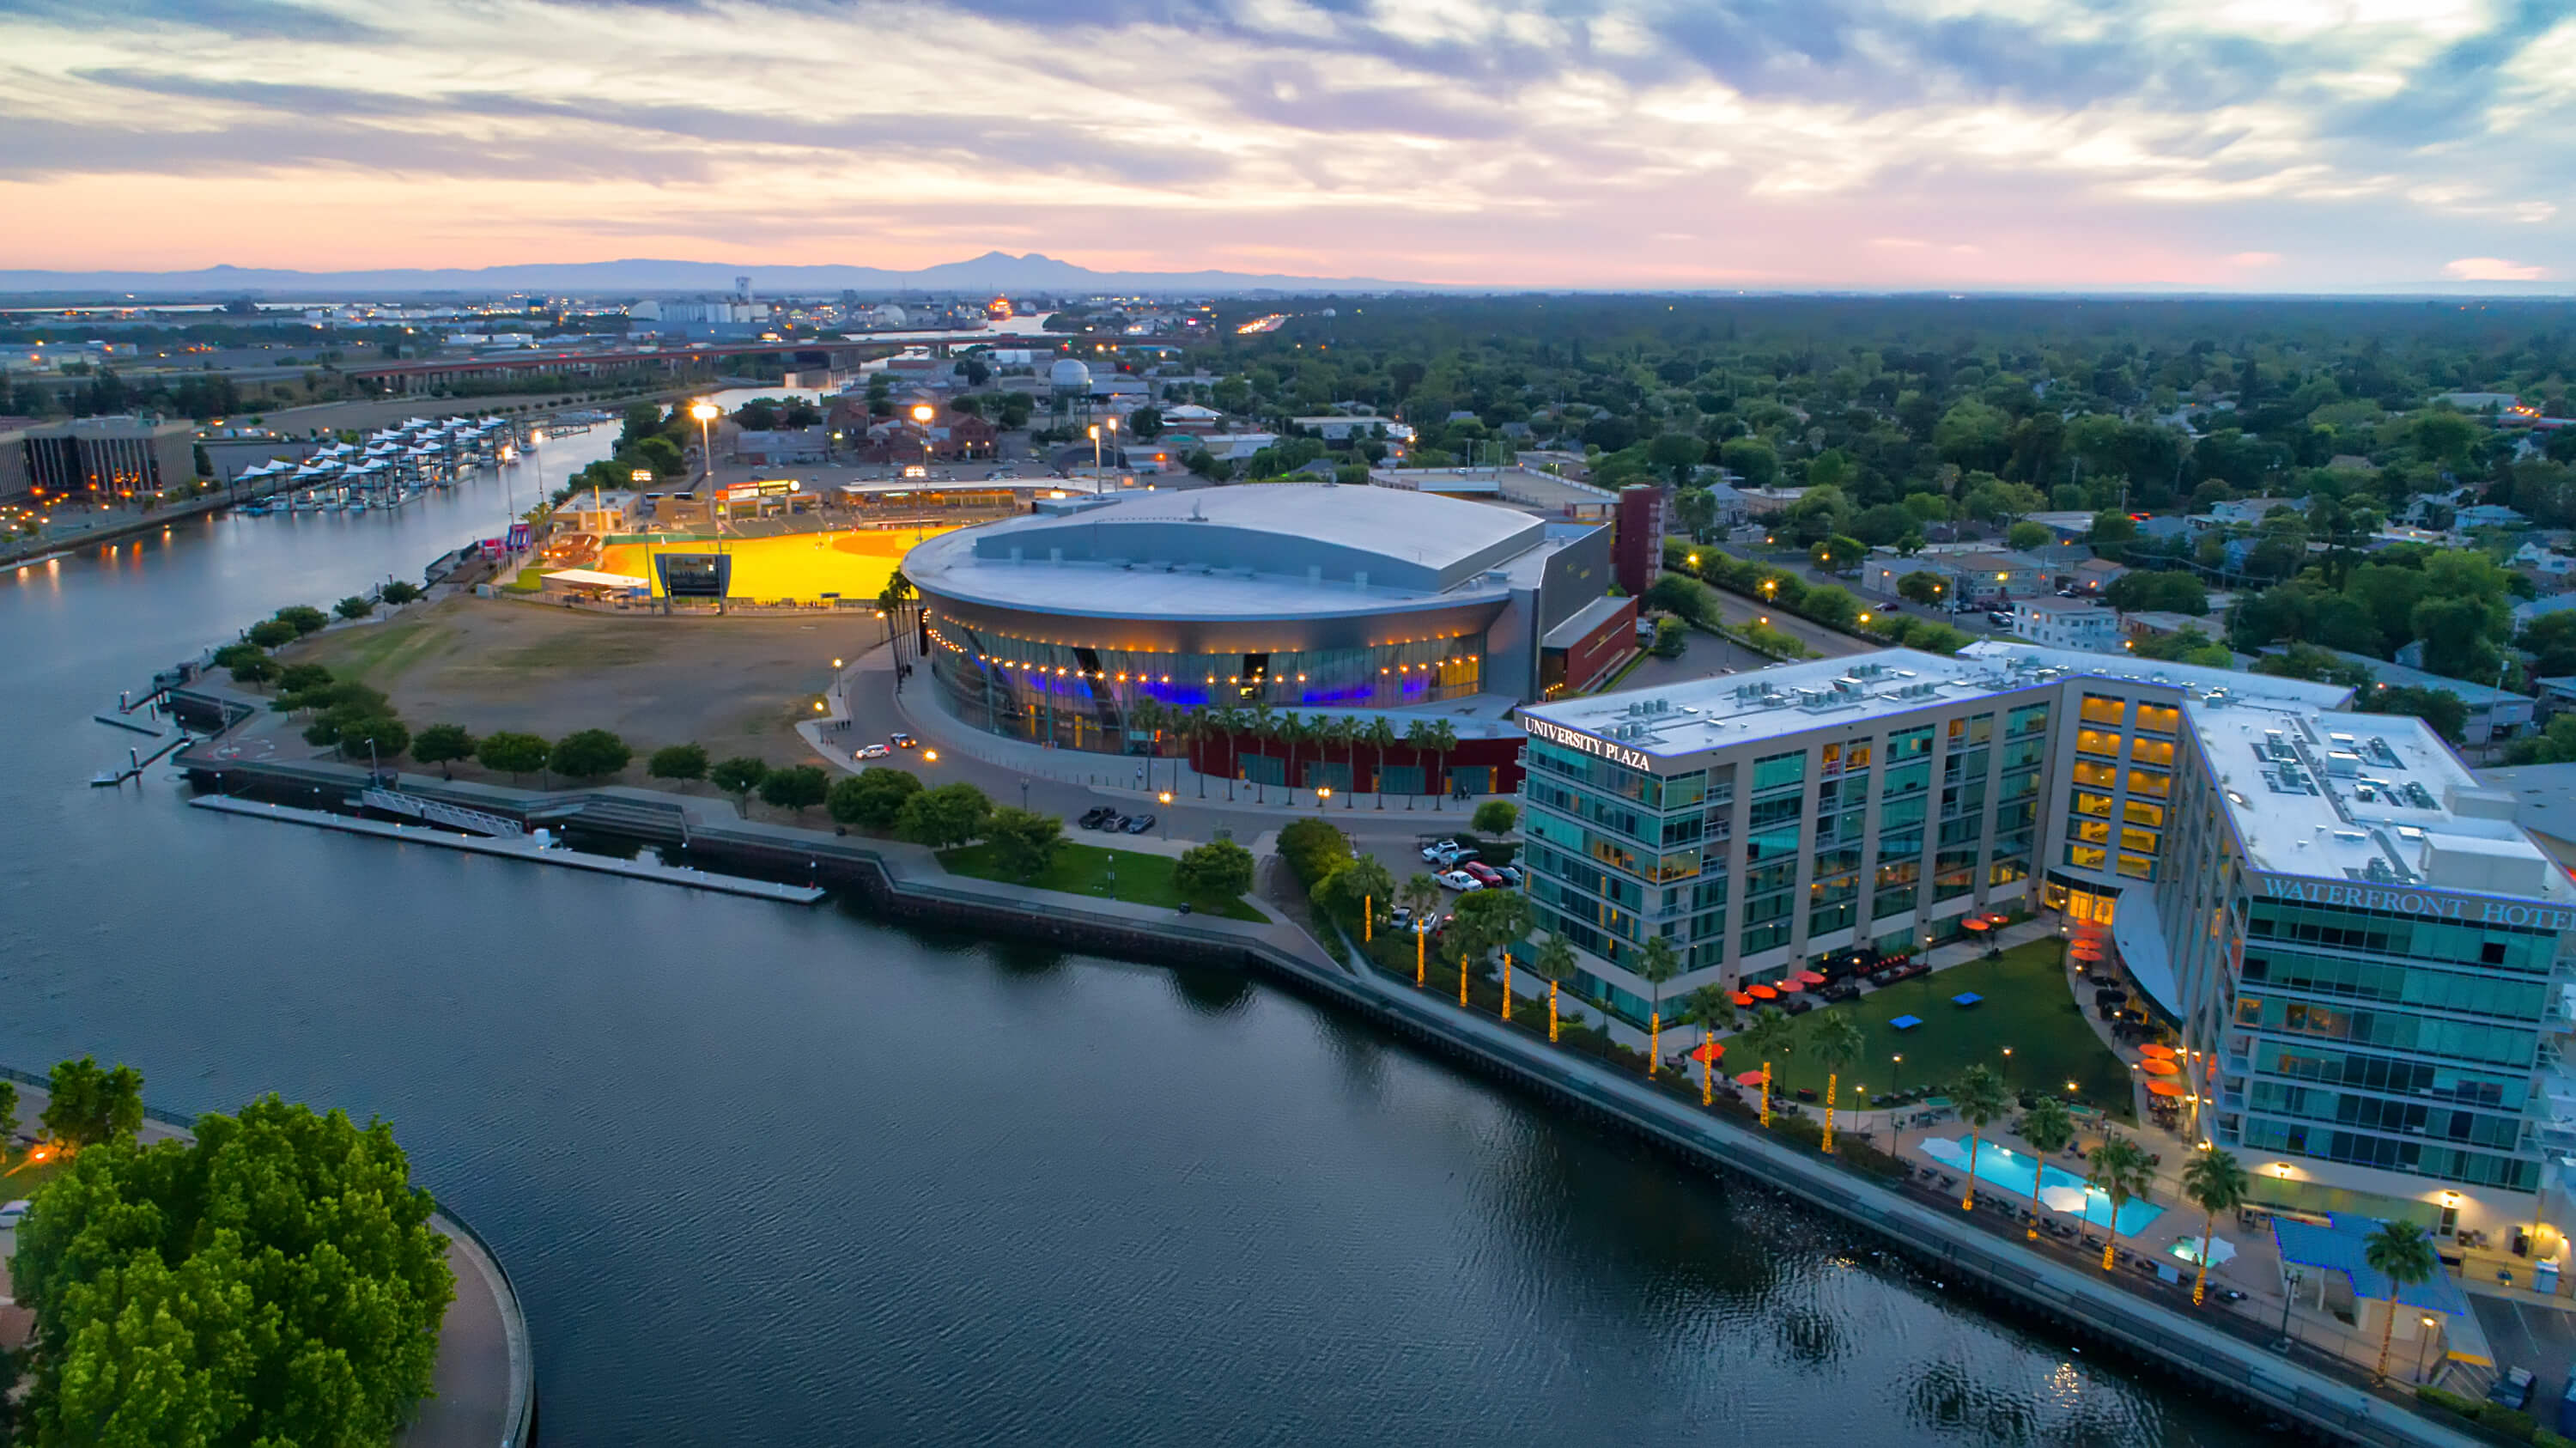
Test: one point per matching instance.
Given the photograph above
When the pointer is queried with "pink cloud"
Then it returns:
(2494, 269)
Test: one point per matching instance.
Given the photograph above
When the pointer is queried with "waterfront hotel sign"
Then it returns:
(1589, 744)
(2468, 910)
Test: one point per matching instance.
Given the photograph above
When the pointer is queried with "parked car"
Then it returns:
(1439, 854)
(2513, 1390)
(1483, 874)
(1400, 918)
(1138, 824)
(872, 751)
(1095, 817)
(1459, 880)
(901, 740)
(1511, 875)
(1999, 618)
(14, 1213)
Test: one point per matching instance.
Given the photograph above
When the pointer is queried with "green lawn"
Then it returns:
(2027, 1007)
(1088, 870)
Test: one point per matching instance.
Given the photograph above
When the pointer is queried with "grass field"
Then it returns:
(1087, 870)
(2027, 1007)
(799, 566)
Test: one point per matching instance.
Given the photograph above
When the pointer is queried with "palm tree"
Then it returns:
(1417, 737)
(1319, 732)
(1836, 1043)
(1443, 739)
(1290, 730)
(1198, 726)
(1710, 1008)
(1555, 961)
(1145, 716)
(1658, 963)
(1380, 735)
(1233, 723)
(2215, 1183)
(1978, 1096)
(2121, 1170)
(1264, 727)
(1768, 1038)
(2048, 1127)
(1421, 895)
(2400, 1252)
(1342, 734)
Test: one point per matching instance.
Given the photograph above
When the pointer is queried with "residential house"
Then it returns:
(2494, 714)
(2094, 575)
(2249, 510)
(2488, 515)
(2067, 623)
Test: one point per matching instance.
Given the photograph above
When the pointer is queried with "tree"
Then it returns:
(304, 619)
(872, 798)
(2145, 592)
(2027, 535)
(1495, 817)
(1658, 962)
(398, 593)
(1696, 510)
(2399, 1251)
(2214, 1182)
(2121, 1171)
(373, 736)
(1025, 842)
(737, 776)
(255, 669)
(1217, 870)
(1676, 454)
(1358, 890)
(1769, 1038)
(1977, 1095)
(1672, 638)
(513, 754)
(1835, 1043)
(1750, 459)
(798, 787)
(945, 817)
(678, 761)
(2048, 1127)
(1922, 586)
(442, 744)
(301, 679)
(8, 1116)
(591, 754)
(288, 1287)
(269, 633)
(354, 607)
(86, 1106)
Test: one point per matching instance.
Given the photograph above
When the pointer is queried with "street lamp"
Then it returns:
(1323, 796)
(706, 413)
(1165, 819)
(922, 412)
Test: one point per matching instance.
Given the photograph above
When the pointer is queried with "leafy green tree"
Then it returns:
(678, 761)
(590, 754)
(2447, 712)
(386, 734)
(2149, 592)
(1832, 606)
(398, 593)
(1921, 586)
(354, 607)
(8, 1116)
(2027, 535)
(798, 787)
(945, 817)
(1672, 638)
(255, 669)
(302, 679)
(873, 798)
(1676, 454)
(1024, 841)
(275, 1281)
(1358, 884)
(1217, 870)
(738, 777)
(87, 1106)
(513, 754)
(1750, 459)
(1495, 817)
(269, 633)
(304, 619)
(442, 744)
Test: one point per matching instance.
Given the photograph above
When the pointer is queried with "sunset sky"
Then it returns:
(2274, 145)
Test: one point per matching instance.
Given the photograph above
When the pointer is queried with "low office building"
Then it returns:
(103, 460)
(2360, 950)
(2067, 623)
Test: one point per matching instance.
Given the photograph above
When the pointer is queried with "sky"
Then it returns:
(2258, 145)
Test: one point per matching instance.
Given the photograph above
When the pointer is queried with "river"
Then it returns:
(778, 1176)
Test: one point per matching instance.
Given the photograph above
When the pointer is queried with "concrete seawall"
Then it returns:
(904, 882)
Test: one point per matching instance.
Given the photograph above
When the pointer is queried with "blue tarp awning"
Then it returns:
(2338, 1248)
(1906, 1023)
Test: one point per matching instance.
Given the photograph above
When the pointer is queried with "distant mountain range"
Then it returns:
(994, 271)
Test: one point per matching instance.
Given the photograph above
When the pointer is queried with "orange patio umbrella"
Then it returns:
(1762, 993)
(1809, 977)
(1748, 1078)
(1972, 923)
(2161, 1053)
(1711, 1052)
(1744, 998)
(2155, 1067)
(2163, 1088)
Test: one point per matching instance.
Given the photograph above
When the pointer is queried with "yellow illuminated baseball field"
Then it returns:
(799, 566)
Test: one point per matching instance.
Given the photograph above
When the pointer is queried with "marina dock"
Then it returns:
(521, 848)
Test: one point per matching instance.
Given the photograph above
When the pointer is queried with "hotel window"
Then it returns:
(2028, 719)
(2137, 867)
(2153, 751)
(1971, 732)
(2093, 832)
(2142, 841)
(2155, 784)
(2086, 857)
(2099, 709)
(1779, 771)
(2137, 812)
(2159, 718)
(1912, 744)
(1832, 761)
(2099, 776)
(2095, 741)
(2093, 804)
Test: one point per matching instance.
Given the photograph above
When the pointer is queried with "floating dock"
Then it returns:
(520, 848)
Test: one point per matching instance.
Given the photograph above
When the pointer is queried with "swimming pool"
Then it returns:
(2011, 1171)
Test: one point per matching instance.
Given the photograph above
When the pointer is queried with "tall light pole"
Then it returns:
(706, 413)
(1095, 457)
(922, 412)
(1113, 447)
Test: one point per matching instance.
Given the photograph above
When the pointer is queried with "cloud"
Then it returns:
(2493, 269)
(1799, 142)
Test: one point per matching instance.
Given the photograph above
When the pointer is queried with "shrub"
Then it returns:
(354, 607)
(738, 776)
(441, 743)
(1313, 849)
(679, 761)
(873, 798)
(513, 754)
(268, 633)
(1496, 817)
(1219, 869)
(798, 788)
(591, 754)
(946, 817)
(399, 593)
(1024, 841)
(304, 619)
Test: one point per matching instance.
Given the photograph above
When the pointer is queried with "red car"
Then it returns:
(1482, 873)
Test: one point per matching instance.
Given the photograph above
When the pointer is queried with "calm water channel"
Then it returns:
(774, 1176)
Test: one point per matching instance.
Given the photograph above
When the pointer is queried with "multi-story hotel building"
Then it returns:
(2366, 962)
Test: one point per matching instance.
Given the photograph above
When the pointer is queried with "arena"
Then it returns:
(1096, 624)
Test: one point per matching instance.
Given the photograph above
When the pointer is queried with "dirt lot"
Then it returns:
(733, 685)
